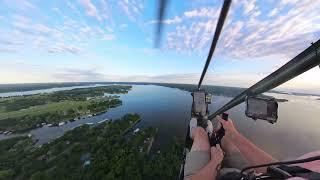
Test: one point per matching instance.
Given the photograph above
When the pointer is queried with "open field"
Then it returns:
(51, 107)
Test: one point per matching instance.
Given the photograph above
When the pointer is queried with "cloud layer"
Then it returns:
(67, 27)
(284, 29)
(253, 28)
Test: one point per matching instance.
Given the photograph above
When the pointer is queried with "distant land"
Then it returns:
(216, 90)
(38, 86)
(298, 94)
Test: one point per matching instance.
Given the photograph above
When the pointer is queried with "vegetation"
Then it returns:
(215, 90)
(105, 151)
(78, 94)
(27, 112)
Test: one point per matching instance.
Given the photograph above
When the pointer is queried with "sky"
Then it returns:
(113, 40)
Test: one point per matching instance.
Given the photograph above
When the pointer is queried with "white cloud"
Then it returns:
(123, 26)
(286, 2)
(108, 37)
(91, 9)
(64, 48)
(248, 6)
(191, 38)
(274, 12)
(174, 20)
(7, 50)
(21, 5)
(57, 10)
(209, 12)
(132, 8)
(203, 12)
(85, 29)
(72, 6)
(78, 75)
(42, 28)
(109, 29)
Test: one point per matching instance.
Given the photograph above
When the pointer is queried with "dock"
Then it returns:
(152, 141)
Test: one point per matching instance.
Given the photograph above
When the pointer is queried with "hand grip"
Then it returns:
(225, 116)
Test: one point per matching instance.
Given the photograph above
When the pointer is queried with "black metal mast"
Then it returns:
(222, 17)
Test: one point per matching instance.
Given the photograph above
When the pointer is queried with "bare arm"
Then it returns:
(250, 151)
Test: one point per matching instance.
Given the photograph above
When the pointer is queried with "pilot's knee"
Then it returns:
(200, 133)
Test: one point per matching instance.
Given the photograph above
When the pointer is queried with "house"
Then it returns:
(86, 163)
(85, 159)
(136, 130)
(102, 121)
(61, 123)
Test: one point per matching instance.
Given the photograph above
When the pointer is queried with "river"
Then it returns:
(168, 109)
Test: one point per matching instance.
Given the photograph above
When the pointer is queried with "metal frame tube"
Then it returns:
(222, 18)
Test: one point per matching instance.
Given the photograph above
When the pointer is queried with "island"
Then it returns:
(22, 113)
(103, 151)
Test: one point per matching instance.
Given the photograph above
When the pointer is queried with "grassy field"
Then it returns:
(51, 107)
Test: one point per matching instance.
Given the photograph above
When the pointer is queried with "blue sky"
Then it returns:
(112, 40)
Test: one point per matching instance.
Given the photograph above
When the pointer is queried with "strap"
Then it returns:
(298, 171)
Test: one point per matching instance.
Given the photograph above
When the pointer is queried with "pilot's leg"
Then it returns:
(199, 154)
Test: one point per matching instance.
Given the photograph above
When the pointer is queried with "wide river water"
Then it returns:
(168, 109)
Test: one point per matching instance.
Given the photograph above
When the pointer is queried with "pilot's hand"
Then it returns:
(217, 154)
(229, 127)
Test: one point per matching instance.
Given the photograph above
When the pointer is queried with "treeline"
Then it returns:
(100, 152)
(215, 90)
(81, 94)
